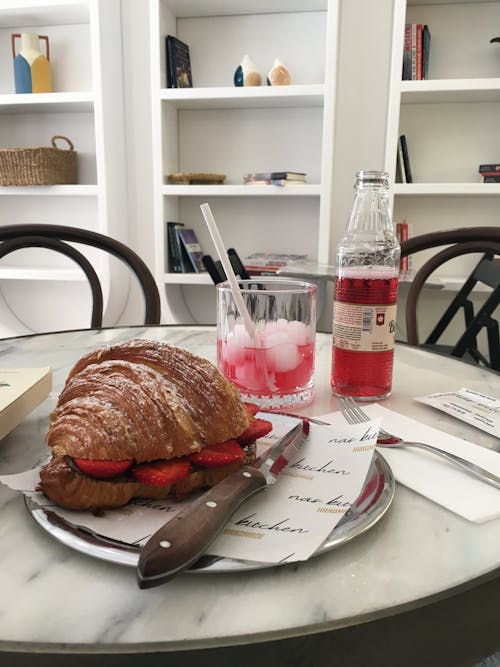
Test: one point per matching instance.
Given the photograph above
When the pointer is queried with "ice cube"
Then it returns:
(286, 357)
(297, 332)
(277, 338)
(282, 324)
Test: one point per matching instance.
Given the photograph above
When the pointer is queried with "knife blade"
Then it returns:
(181, 541)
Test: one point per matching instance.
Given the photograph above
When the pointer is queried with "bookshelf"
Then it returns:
(86, 64)
(450, 121)
(215, 127)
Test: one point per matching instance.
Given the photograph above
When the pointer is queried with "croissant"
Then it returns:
(136, 402)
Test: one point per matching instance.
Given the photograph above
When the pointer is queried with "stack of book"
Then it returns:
(183, 250)
(490, 173)
(268, 264)
(274, 178)
(417, 45)
(403, 168)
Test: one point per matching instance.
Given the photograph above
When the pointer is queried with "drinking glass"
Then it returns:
(271, 364)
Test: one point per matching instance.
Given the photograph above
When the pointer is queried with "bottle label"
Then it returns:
(364, 328)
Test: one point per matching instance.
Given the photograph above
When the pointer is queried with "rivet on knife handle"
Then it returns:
(181, 541)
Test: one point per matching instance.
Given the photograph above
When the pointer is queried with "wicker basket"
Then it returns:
(38, 166)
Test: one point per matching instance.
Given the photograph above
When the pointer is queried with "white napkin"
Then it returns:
(432, 476)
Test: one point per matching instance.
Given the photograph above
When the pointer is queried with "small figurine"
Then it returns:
(278, 75)
(247, 74)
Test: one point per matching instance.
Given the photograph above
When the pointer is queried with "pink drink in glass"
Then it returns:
(281, 364)
(274, 366)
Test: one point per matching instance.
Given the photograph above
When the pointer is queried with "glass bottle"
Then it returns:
(366, 289)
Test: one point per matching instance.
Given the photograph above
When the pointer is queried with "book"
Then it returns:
(407, 53)
(173, 247)
(178, 64)
(274, 176)
(413, 51)
(400, 170)
(265, 263)
(489, 167)
(490, 173)
(282, 181)
(192, 248)
(21, 391)
(406, 158)
(426, 47)
(419, 31)
(491, 179)
(402, 235)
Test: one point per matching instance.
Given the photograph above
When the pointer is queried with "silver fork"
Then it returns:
(353, 414)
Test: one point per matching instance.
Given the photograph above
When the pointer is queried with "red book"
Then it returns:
(419, 28)
(402, 235)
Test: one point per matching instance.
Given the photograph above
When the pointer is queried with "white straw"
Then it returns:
(223, 256)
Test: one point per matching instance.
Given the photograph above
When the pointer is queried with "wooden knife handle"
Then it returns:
(181, 541)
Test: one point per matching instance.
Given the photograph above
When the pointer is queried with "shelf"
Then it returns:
(226, 97)
(49, 191)
(187, 279)
(46, 102)
(32, 13)
(443, 91)
(242, 190)
(194, 8)
(446, 189)
(28, 273)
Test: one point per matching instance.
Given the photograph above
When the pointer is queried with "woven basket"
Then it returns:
(38, 166)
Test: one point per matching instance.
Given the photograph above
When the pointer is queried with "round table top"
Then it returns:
(57, 599)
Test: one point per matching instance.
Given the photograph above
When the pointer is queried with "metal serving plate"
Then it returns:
(371, 505)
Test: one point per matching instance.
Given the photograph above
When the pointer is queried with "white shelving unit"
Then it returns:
(87, 107)
(215, 127)
(450, 121)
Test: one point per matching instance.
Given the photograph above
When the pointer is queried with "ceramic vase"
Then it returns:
(247, 74)
(31, 68)
(278, 75)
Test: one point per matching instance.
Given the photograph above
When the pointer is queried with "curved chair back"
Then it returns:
(57, 237)
(459, 242)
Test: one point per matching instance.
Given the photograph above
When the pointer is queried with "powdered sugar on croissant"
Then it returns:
(144, 400)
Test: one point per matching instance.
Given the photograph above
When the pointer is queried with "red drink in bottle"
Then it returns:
(364, 326)
(366, 291)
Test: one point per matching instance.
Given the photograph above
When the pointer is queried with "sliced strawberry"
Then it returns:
(217, 455)
(252, 408)
(101, 469)
(258, 428)
(162, 472)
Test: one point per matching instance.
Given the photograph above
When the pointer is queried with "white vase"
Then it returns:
(278, 75)
(247, 74)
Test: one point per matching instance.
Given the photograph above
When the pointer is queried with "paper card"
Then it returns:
(469, 406)
(286, 522)
(291, 519)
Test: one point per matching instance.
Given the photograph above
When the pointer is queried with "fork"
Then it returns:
(353, 414)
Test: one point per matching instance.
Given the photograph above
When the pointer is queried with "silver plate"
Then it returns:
(371, 505)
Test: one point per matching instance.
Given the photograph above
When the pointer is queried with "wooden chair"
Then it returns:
(58, 237)
(459, 242)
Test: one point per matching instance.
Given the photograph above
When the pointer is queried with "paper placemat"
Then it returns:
(284, 523)
(432, 476)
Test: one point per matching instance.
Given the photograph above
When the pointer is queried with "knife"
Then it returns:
(181, 541)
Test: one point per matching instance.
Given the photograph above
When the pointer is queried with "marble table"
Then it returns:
(55, 599)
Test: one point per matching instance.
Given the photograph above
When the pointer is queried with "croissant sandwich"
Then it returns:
(145, 419)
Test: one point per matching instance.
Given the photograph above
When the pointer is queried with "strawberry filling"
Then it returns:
(164, 472)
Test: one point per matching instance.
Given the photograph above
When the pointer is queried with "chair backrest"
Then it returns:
(460, 242)
(57, 237)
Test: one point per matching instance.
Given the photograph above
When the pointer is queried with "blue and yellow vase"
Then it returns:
(31, 68)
